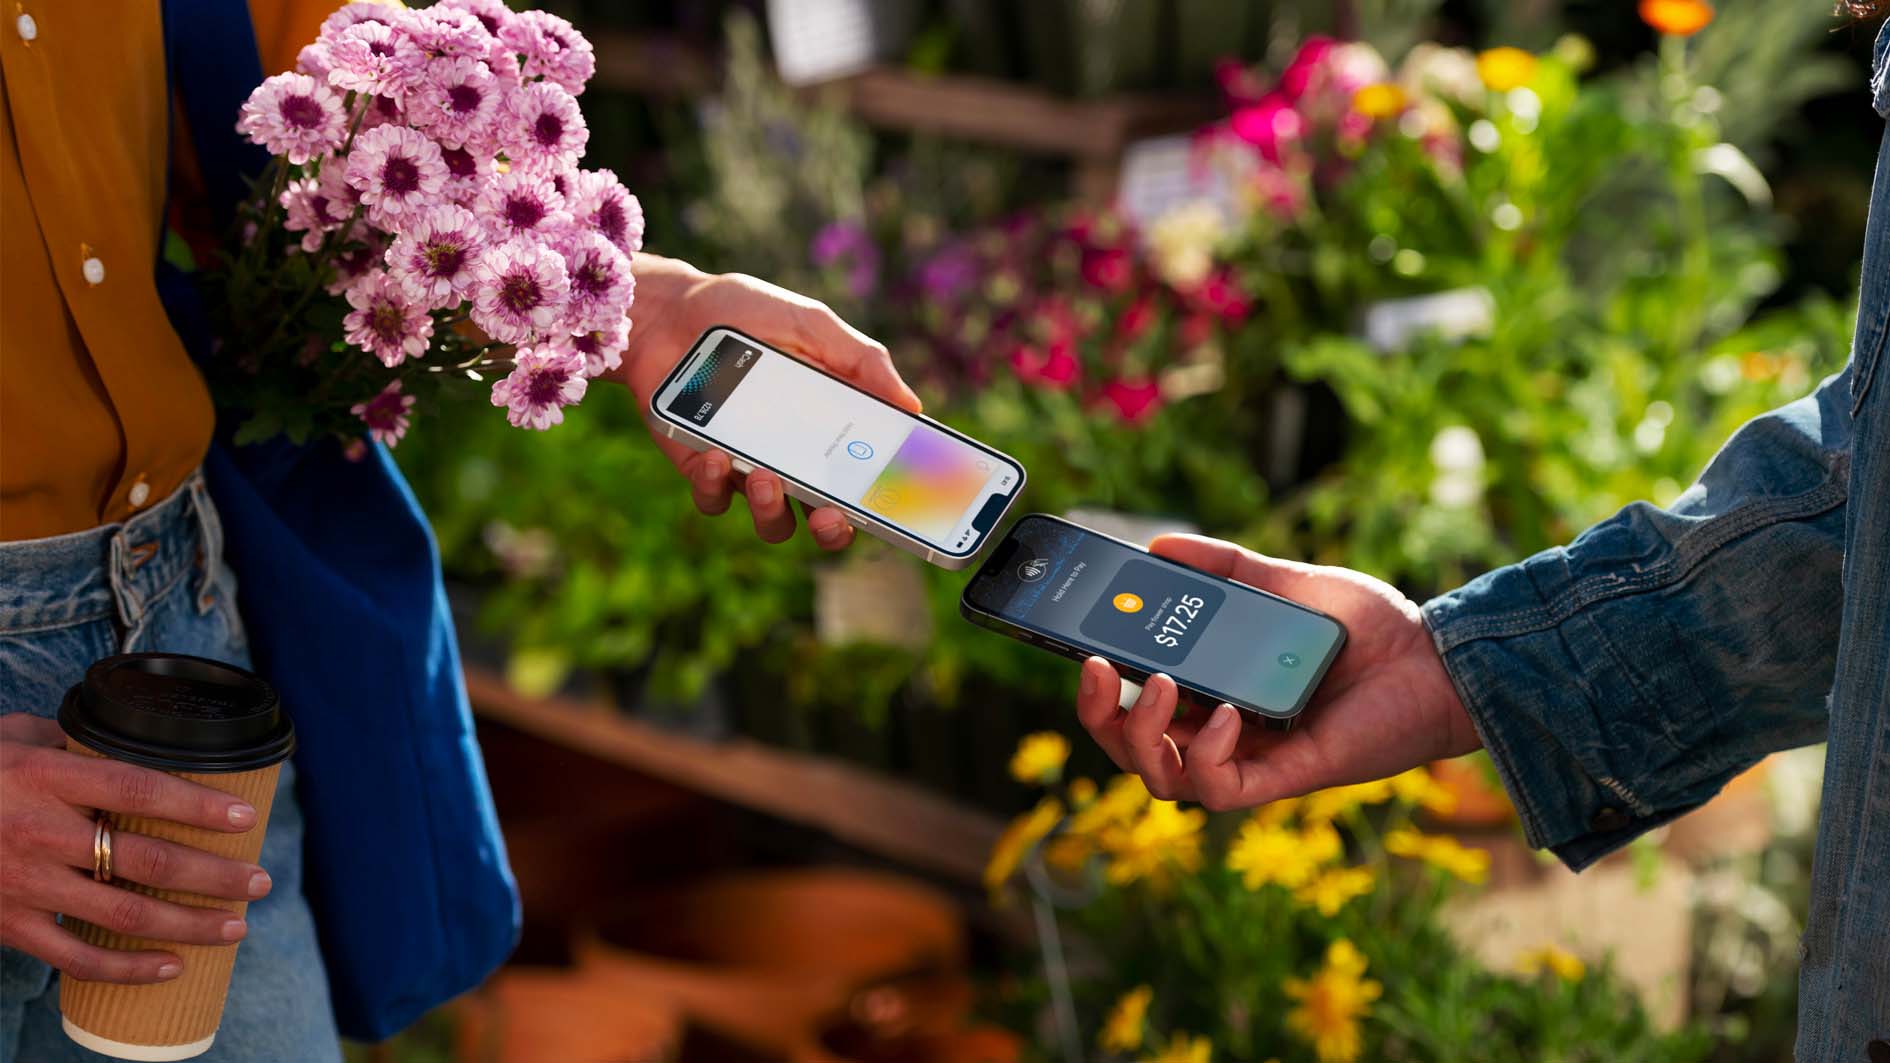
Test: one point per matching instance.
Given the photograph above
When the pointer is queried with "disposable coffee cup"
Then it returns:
(210, 723)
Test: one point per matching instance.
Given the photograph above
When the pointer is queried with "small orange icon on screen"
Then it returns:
(1128, 603)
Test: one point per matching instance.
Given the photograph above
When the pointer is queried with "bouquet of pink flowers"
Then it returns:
(424, 225)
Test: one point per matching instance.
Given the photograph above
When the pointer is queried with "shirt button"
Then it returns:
(26, 27)
(93, 269)
(140, 493)
(1608, 819)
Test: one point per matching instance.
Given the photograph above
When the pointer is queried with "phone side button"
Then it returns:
(742, 468)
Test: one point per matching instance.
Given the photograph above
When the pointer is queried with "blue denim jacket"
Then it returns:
(1620, 681)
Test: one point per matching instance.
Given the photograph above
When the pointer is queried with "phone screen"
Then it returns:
(1105, 597)
(776, 411)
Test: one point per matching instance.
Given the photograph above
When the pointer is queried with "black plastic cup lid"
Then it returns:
(177, 713)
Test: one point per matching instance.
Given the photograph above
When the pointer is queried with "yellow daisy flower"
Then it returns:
(1553, 958)
(1266, 855)
(1016, 841)
(1183, 1048)
(1503, 69)
(1331, 1003)
(1442, 852)
(1164, 839)
(1418, 787)
(1120, 801)
(1039, 758)
(1330, 804)
(1332, 889)
(1124, 1029)
(1380, 101)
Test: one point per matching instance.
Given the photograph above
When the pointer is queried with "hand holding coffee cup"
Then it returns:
(47, 834)
(180, 757)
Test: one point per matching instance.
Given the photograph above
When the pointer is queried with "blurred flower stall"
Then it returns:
(1416, 309)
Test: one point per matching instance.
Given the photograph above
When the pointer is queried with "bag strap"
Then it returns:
(213, 64)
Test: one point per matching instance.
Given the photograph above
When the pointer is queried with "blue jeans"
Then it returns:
(156, 582)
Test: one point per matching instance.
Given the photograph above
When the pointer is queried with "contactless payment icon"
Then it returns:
(860, 449)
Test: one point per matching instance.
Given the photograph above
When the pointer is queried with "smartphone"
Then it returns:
(1080, 593)
(907, 479)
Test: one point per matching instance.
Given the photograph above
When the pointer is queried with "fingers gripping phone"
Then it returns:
(907, 479)
(1079, 593)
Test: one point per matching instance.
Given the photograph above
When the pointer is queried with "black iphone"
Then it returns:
(1080, 593)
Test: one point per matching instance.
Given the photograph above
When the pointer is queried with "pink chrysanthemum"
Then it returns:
(546, 380)
(294, 116)
(385, 415)
(350, 15)
(542, 129)
(601, 285)
(553, 49)
(454, 101)
(493, 14)
(385, 321)
(521, 293)
(603, 348)
(398, 170)
(520, 202)
(314, 61)
(442, 32)
(316, 206)
(600, 202)
(366, 57)
(468, 169)
(356, 260)
(437, 256)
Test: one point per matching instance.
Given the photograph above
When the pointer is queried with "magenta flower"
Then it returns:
(493, 14)
(356, 260)
(599, 201)
(602, 286)
(385, 415)
(385, 321)
(442, 32)
(437, 256)
(365, 57)
(316, 206)
(521, 291)
(541, 128)
(314, 61)
(454, 101)
(544, 381)
(552, 48)
(1134, 400)
(1055, 368)
(522, 202)
(295, 117)
(1307, 64)
(467, 169)
(397, 170)
(603, 348)
(1272, 126)
(847, 245)
(353, 14)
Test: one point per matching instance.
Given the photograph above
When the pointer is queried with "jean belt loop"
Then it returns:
(124, 588)
(210, 540)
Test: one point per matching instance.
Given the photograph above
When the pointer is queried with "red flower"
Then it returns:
(1107, 268)
(1221, 295)
(1196, 329)
(1056, 370)
(1135, 401)
(1136, 319)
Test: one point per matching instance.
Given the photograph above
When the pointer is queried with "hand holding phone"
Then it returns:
(1386, 705)
(920, 485)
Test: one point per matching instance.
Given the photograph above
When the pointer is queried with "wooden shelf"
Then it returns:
(1093, 132)
(894, 819)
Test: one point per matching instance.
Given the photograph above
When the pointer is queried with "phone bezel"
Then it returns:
(1075, 647)
(692, 435)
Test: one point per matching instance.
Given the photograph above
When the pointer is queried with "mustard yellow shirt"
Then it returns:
(101, 412)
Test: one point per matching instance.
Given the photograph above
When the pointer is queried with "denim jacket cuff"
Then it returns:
(1533, 704)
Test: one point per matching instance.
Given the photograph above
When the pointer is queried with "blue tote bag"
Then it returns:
(340, 590)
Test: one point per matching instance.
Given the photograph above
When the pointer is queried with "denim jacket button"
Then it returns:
(1609, 819)
(1879, 1051)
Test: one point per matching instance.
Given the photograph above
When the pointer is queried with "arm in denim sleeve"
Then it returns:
(1620, 681)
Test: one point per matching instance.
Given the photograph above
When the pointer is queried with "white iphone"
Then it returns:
(905, 478)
